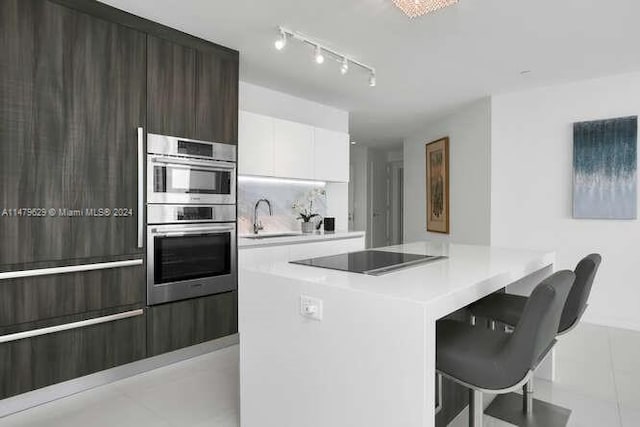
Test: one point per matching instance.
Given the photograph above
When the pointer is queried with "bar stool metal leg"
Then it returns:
(527, 397)
(475, 408)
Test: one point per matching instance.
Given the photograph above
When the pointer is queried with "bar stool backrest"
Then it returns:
(579, 295)
(535, 333)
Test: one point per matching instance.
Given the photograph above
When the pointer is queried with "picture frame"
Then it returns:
(437, 185)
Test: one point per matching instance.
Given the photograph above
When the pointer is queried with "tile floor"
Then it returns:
(598, 375)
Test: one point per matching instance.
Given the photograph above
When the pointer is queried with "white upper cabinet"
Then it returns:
(255, 144)
(293, 150)
(331, 155)
(285, 149)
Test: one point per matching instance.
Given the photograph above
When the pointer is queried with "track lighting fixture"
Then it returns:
(321, 51)
(319, 56)
(282, 41)
(344, 68)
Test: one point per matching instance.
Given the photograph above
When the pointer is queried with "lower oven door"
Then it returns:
(186, 261)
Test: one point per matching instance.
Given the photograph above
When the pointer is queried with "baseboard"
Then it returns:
(44, 395)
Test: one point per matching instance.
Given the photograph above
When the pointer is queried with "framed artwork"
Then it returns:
(437, 159)
(604, 169)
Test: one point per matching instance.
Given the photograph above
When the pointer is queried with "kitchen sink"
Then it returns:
(268, 235)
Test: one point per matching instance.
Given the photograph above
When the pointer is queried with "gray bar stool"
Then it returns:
(507, 309)
(488, 361)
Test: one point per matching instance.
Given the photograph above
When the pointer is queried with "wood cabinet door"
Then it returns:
(104, 77)
(293, 144)
(171, 72)
(180, 324)
(37, 362)
(216, 117)
(38, 298)
(72, 89)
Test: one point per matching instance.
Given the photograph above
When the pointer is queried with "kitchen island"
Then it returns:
(365, 354)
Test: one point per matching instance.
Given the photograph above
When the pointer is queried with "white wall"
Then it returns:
(531, 184)
(469, 133)
(261, 100)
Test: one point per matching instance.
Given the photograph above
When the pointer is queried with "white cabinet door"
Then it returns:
(293, 150)
(255, 144)
(331, 155)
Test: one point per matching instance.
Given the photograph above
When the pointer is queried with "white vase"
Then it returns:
(307, 227)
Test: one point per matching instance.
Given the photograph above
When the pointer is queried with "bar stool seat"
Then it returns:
(508, 310)
(487, 361)
(475, 355)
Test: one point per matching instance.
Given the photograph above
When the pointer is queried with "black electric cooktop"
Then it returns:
(368, 262)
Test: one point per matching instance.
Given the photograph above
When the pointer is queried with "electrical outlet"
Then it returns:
(311, 307)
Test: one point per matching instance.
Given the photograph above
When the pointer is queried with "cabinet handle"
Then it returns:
(69, 269)
(67, 326)
(140, 186)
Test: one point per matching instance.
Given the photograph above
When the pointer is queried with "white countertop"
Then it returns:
(469, 273)
(244, 242)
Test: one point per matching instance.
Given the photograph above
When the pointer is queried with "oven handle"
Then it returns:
(192, 231)
(208, 164)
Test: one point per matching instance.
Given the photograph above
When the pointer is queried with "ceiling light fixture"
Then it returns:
(321, 52)
(415, 8)
(319, 56)
(282, 41)
(344, 68)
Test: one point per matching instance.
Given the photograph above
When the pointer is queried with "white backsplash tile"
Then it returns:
(281, 196)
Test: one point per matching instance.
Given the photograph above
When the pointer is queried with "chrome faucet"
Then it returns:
(257, 225)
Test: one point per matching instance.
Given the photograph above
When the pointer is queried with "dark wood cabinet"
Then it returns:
(171, 70)
(77, 78)
(37, 362)
(38, 298)
(216, 97)
(181, 324)
(73, 92)
(193, 93)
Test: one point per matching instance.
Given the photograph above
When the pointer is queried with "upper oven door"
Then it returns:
(187, 181)
(190, 148)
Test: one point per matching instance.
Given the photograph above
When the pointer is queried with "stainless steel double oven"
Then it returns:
(191, 217)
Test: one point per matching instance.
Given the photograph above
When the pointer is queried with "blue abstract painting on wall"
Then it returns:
(605, 169)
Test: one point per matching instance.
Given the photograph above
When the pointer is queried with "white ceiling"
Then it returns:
(425, 66)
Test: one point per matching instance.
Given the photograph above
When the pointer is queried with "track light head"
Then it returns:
(282, 40)
(372, 79)
(319, 56)
(344, 68)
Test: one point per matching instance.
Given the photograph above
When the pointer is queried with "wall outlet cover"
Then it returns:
(311, 307)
